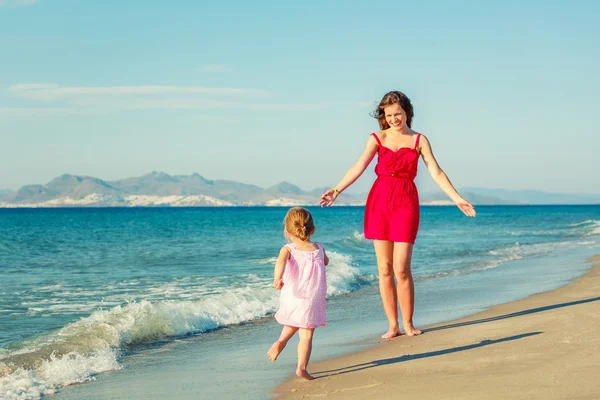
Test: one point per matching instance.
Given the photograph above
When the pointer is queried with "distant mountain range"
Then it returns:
(534, 196)
(158, 189)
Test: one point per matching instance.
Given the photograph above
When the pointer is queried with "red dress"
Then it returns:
(392, 210)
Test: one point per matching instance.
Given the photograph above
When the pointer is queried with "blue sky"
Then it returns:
(269, 91)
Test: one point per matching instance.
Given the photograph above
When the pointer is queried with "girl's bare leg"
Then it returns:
(406, 286)
(304, 350)
(384, 250)
(286, 334)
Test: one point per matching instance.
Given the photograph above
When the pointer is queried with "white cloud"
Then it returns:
(215, 68)
(17, 3)
(27, 112)
(63, 100)
(105, 107)
(190, 104)
(94, 100)
(47, 92)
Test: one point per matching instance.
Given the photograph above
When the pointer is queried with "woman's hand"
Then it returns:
(466, 207)
(278, 284)
(328, 198)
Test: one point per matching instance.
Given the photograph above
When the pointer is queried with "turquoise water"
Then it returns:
(88, 291)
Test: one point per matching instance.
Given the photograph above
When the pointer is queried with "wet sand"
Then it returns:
(545, 346)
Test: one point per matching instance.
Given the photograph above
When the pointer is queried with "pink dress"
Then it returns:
(392, 209)
(302, 298)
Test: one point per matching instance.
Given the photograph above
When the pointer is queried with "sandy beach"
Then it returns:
(544, 346)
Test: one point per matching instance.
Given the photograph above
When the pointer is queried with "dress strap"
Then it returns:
(376, 138)
(417, 141)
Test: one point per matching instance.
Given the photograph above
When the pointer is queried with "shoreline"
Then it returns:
(542, 346)
(436, 204)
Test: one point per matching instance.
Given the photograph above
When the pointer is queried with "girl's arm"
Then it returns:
(353, 173)
(284, 255)
(325, 257)
(441, 178)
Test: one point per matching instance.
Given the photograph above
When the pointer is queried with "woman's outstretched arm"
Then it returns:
(353, 173)
(442, 180)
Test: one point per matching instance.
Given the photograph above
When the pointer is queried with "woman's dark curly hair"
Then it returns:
(391, 98)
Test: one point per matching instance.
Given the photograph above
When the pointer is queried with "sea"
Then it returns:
(164, 303)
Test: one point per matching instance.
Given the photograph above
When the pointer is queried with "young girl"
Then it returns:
(300, 275)
(392, 209)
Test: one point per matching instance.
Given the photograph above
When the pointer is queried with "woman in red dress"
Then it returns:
(392, 209)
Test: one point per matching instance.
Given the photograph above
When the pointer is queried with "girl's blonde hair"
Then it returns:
(299, 223)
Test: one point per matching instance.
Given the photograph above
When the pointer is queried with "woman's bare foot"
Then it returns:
(392, 333)
(410, 329)
(304, 375)
(275, 350)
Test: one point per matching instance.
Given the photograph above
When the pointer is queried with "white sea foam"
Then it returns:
(359, 236)
(536, 233)
(55, 373)
(91, 345)
(589, 227)
(342, 277)
(265, 261)
(518, 250)
(357, 241)
(594, 229)
(586, 222)
(504, 255)
(48, 288)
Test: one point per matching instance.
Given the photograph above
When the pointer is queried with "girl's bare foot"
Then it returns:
(410, 329)
(304, 375)
(275, 350)
(391, 333)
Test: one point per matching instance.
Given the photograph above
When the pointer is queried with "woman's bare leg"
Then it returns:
(406, 286)
(384, 250)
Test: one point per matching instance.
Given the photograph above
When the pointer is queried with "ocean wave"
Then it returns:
(356, 240)
(358, 237)
(594, 229)
(342, 277)
(589, 227)
(54, 373)
(470, 268)
(521, 250)
(548, 232)
(91, 345)
(498, 257)
(68, 299)
(586, 222)
(265, 261)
